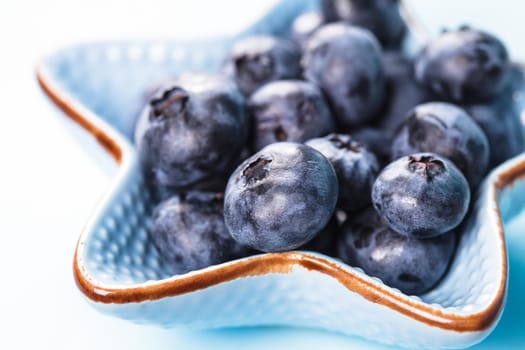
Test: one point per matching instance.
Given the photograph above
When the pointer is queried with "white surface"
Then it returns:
(51, 178)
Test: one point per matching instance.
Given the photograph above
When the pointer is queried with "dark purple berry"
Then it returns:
(288, 110)
(445, 129)
(381, 17)
(280, 198)
(422, 195)
(191, 131)
(411, 265)
(189, 232)
(500, 120)
(464, 66)
(355, 166)
(257, 60)
(345, 62)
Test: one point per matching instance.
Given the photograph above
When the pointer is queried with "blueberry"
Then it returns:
(422, 195)
(381, 17)
(280, 198)
(411, 265)
(447, 130)
(355, 166)
(402, 91)
(257, 60)
(304, 26)
(288, 110)
(465, 66)
(500, 120)
(191, 131)
(189, 232)
(345, 62)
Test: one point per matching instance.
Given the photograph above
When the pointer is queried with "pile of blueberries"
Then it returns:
(331, 140)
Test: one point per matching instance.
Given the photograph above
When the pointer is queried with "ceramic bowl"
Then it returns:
(119, 272)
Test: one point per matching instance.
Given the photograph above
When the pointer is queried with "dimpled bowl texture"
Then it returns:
(116, 267)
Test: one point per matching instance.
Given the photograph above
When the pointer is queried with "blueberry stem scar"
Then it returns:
(426, 165)
(173, 99)
(350, 145)
(256, 170)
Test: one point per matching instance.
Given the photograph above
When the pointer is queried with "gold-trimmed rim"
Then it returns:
(112, 146)
(276, 262)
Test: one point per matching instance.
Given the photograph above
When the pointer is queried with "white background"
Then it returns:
(52, 173)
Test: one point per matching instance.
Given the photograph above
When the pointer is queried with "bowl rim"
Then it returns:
(119, 148)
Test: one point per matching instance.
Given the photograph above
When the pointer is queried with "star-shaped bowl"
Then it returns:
(116, 267)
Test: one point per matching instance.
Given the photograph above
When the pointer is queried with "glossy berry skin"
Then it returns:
(191, 131)
(280, 198)
(345, 62)
(356, 168)
(288, 110)
(464, 66)
(189, 232)
(381, 17)
(500, 120)
(411, 265)
(257, 60)
(304, 26)
(422, 195)
(447, 130)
